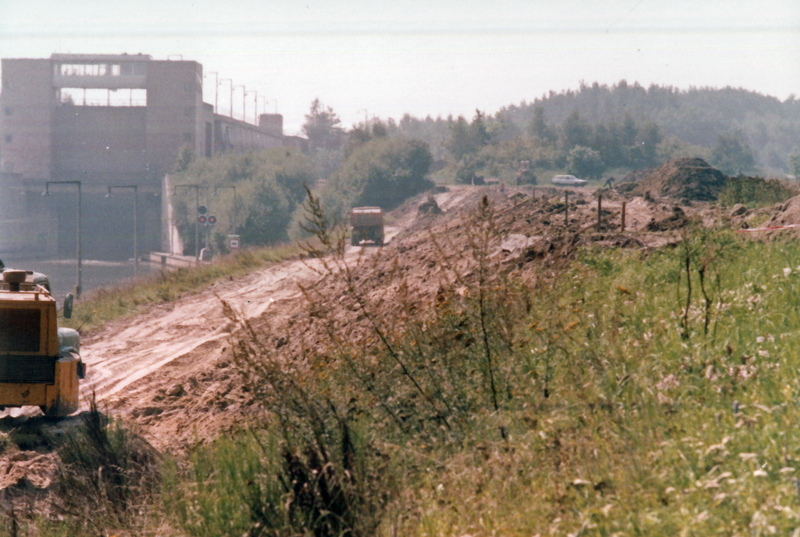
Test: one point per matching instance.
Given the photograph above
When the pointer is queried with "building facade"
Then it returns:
(103, 120)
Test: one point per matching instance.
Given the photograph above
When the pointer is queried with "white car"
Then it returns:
(568, 180)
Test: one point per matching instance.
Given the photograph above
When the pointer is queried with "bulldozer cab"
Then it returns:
(40, 364)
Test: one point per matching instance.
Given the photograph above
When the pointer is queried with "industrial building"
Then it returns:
(104, 120)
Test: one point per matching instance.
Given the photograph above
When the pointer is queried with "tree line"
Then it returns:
(595, 132)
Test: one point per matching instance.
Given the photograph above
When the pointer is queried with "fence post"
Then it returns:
(566, 208)
(599, 209)
(623, 215)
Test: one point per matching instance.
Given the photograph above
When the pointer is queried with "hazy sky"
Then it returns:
(387, 57)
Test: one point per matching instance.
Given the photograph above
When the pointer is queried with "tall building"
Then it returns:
(103, 120)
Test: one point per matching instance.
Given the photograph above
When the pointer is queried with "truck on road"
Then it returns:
(367, 224)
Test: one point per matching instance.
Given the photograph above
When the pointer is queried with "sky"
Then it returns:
(386, 58)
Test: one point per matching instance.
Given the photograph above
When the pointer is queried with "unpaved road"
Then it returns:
(166, 368)
(135, 363)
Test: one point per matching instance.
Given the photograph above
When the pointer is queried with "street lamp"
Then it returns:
(216, 91)
(244, 103)
(80, 261)
(197, 207)
(229, 80)
(255, 101)
(233, 232)
(135, 226)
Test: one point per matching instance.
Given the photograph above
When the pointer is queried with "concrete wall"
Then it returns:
(26, 104)
(100, 145)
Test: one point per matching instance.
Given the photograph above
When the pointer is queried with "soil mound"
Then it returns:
(691, 179)
(785, 214)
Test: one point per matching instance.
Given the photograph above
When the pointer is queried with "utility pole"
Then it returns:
(135, 225)
(216, 91)
(244, 102)
(80, 260)
(230, 81)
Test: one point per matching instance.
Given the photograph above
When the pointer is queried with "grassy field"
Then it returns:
(630, 393)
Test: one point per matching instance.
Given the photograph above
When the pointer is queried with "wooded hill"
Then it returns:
(687, 121)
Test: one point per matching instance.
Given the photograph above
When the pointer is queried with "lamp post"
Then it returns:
(233, 231)
(216, 91)
(197, 210)
(230, 81)
(255, 102)
(135, 226)
(244, 102)
(80, 260)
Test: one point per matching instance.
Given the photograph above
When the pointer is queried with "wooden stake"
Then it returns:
(599, 209)
(566, 208)
(623, 215)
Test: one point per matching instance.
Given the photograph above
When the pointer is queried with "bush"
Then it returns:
(383, 172)
(107, 472)
(755, 191)
(269, 186)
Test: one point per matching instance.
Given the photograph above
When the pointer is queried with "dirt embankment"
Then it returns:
(170, 371)
(685, 179)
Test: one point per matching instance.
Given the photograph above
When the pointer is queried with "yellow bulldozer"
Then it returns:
(40, 363)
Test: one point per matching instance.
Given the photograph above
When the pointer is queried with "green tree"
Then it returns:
(186, 156)
(644, 153)
(732, 154)
(383, 172)
(575, 131)
(794, 162)
(585, 162)
(540, 130)
(323, 128)
(269, 185)
(467, 138)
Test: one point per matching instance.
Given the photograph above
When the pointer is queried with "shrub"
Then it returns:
(107, 472)
(755, 191)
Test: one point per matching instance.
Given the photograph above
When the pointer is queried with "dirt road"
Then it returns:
(138, 367)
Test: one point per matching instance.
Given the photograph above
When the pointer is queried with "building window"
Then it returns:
(9, 138)
(9, 111)
(187, 136)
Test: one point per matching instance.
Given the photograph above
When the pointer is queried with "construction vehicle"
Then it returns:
(367, 223)
(525, 175)
(40, 363)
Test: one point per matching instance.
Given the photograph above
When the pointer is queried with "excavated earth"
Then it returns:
(170, 372)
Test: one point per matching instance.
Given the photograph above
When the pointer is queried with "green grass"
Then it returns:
(621, 414)
(106, 304)
(602, 407)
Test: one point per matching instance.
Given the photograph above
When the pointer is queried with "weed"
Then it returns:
(107, 472)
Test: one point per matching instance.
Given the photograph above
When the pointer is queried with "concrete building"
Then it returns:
(104, 120)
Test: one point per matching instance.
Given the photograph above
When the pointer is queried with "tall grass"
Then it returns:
(629, 392)
(604, 399)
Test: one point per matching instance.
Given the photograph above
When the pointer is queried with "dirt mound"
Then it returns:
(785, 214)
(690, 179)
